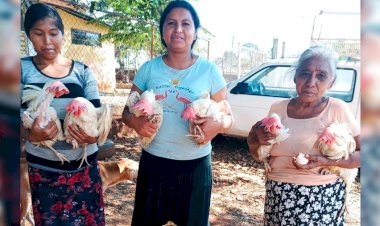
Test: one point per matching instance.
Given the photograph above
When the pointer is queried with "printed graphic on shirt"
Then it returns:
(174, 98)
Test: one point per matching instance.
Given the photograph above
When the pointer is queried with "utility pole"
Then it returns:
(232, 52)
(274, 48)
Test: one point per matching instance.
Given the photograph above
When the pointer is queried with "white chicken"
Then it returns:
(95, 122)
(336, 142)
(204, 107)
(273, 125)
(146, 104)
(38, 105)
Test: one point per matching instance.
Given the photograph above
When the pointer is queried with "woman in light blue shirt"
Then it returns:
(175, 177)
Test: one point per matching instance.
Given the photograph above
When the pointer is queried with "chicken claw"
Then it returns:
(61, 156)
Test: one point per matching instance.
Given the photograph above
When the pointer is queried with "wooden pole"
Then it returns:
(152, 42)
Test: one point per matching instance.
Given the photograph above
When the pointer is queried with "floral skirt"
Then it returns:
(74, 198)
(293, 204)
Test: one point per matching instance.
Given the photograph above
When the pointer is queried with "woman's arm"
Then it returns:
(38, 134)
(354, 159)
(256, 137)
(253, 142)
(227, 120)
(352, 162)
(140, 124)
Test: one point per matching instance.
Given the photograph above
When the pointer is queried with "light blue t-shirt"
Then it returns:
(179, 88)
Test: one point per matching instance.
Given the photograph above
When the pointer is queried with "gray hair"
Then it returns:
(322, 51)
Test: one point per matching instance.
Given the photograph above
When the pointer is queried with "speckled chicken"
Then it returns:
(147, 104)
(38, 101)
(95, 122)
(273, 125)
(336, 142)
(204, 106)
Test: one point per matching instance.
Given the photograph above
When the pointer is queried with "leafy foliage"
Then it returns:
(133, 23)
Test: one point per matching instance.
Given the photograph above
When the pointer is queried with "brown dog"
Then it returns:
(115, 172)
(111, 174)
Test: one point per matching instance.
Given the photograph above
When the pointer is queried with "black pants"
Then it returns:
(178, 191)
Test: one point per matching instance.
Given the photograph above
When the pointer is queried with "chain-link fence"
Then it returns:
(81, 41)
(235, 64)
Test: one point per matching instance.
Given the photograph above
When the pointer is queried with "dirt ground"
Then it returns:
(238, 186)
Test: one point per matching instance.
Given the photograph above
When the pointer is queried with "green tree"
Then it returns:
(133, 24)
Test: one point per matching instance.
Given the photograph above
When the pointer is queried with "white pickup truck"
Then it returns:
(252, 95)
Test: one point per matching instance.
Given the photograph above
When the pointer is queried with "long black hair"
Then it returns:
(179, 4)
(39, 11)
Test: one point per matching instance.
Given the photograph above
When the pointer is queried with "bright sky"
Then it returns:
(290, 21)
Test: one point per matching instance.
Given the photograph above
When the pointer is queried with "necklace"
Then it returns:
(178, 71)
(178, 76)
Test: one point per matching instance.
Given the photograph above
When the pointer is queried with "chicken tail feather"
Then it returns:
(31, 94)
(104, 122)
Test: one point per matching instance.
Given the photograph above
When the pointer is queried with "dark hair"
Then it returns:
(179, 4)
(39, 11)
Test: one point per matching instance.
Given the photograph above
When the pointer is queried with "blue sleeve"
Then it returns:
(91, 90)
(218, 81)
(140, 79)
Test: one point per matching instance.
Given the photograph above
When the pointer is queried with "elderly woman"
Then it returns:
(175, 177)
(62, 194)
(300, 194)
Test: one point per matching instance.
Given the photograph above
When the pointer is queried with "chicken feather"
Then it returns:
(336, 142)
(147, 105)
(95, 122)
(272, 124)
(38, 101)
(202, 107)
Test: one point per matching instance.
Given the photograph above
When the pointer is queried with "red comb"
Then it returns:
(144, 106)
(271, 124)
(76, 107)
(327, 136)
(58, 88)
